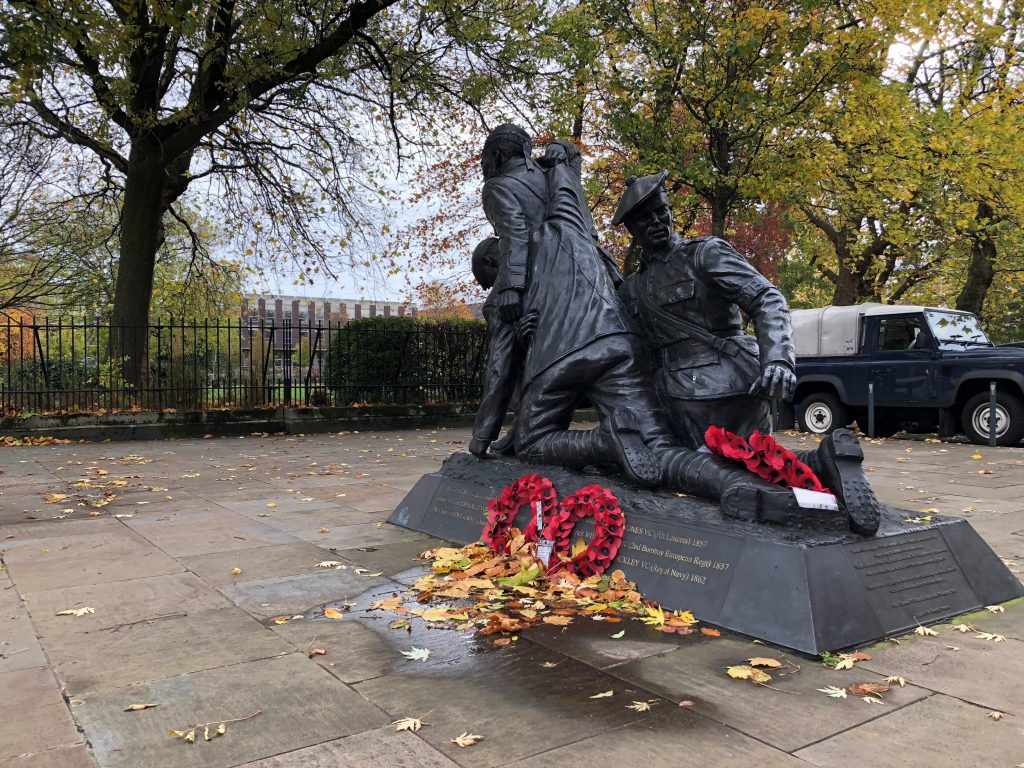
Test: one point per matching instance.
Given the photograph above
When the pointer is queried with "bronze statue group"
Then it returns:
(660, 355)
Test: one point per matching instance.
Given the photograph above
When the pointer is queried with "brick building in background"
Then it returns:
(297, 328)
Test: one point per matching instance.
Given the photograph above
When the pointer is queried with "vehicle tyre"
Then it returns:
(821, 414)
(1009, 419)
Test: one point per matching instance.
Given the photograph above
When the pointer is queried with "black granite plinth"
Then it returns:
(807, 590)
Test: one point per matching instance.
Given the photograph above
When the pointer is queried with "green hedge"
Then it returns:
(406, 360)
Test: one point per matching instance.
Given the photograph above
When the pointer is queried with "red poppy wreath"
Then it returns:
(501, 512)
(609, 525)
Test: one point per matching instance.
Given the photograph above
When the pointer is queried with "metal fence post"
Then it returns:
(871, 409)
(992, 414)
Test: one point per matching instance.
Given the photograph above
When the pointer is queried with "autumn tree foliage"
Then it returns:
(271, 110)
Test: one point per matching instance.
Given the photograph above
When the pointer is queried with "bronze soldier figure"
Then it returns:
(686, 297)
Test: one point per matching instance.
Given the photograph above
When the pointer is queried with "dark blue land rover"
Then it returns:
(928, 366)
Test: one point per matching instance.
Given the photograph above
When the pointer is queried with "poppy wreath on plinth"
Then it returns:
(501, 512)
(609, 525)
(765, 457)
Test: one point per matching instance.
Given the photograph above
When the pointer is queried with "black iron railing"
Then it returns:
(69, 366)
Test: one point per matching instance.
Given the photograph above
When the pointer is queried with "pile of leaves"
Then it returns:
(8, 441)
(474, 589)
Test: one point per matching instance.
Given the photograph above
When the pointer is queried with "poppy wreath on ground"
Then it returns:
(609, 525)
(765, 457)
(501, 512)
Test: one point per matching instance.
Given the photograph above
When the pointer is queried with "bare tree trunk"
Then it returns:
(720, 205)
(140, 237)
(981, 268)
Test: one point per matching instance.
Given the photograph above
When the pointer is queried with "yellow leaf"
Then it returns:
(206, 733)
(990, 636)
(977, 456)
(603, 695)
(190, 737)
(323, 530)
(76, 612)
(221, 729)
(984, 471)
(409, 724)
(333, 613)
(579, 547)
(639, 706)
(925, 632)
(467, 739)
(655, 616)
(894, 680)
(996, 715)
(138, 707)
(994, 608)
(743, 672)
(846, 661)
(235, 571)
(271, 505)
(762, 661)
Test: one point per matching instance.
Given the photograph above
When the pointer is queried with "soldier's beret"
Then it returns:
(638, 190)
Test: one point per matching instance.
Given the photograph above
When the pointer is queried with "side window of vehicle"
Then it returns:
(898, 334)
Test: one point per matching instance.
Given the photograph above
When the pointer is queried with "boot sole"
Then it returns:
(637, 460)
(846, 479)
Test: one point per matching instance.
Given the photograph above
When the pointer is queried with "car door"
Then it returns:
(903, 360)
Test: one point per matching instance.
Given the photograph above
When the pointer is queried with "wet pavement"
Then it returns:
(206, 575)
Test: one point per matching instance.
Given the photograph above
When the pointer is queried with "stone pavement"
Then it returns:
(174, 624)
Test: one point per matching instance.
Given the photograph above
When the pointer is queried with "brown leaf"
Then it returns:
(710, 632)
(763, 661)
(138, 707)
(867, 689)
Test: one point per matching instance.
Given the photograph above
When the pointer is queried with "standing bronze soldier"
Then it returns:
(686, 297)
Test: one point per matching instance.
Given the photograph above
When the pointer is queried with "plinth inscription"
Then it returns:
(910, 579)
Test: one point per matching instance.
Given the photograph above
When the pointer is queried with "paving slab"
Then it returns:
(40, 720)
(381, 748)
(285, 595)
(302, 705)
(670, 739)
(67, 757)
(520, 707)
(218, 532)
(958, 664)
(800, 715)
(391, 558)
(590, 641)
(120, 603)
(28, 533)
(164, 648)
(361, 647)
(282, 502)
(19, 646)
(257, 563)
(306, 523)
(938, 732)
(360, 535)
(92, 558)
(366, 497)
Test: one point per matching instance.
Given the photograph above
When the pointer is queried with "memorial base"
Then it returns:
(806, 590)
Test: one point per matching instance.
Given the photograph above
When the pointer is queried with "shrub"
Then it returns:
(405, 360)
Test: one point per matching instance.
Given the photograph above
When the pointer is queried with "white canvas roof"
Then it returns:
(832, 331)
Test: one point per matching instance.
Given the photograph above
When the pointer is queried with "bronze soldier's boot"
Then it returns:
(740, 494)
(839, 464)
(620, 445)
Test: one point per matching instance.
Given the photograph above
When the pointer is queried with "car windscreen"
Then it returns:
(956, 329)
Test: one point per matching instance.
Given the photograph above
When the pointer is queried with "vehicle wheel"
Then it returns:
(821, 414)
(1009, 419)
